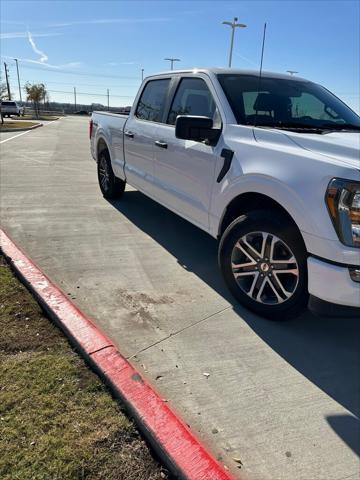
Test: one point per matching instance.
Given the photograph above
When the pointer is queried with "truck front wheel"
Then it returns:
(110, 186)
(263, 260)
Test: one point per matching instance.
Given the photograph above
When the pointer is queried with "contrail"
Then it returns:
(43, 57)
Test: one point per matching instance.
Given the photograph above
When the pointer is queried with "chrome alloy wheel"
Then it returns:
(104, 175)
(265, 268)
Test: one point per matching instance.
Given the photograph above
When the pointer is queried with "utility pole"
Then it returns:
(142, 74)
(75, 98)
(7, 81)
(17, 68)
(233, 25)
(108, 99)
(172, 60)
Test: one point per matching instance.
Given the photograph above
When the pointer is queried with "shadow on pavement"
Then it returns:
(324, 350)
(347, 428)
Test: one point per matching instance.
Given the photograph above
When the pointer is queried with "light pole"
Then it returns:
(142, 74)
(292, 72)
(17, 68)
(172, 60)
(233, 25)
(7, 80)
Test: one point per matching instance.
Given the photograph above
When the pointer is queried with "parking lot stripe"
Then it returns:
(27, 131)
(18, 135)
(179, 448)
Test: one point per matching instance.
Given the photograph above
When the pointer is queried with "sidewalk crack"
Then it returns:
(176, 333)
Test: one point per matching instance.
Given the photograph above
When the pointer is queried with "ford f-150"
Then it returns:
(266, 163)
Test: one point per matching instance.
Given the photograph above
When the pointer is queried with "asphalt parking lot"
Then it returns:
(281, 397)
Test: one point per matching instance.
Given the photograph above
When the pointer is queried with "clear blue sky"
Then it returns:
(95, 45)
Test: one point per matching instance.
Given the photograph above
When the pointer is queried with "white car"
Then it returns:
(269, 166)
(9, 108)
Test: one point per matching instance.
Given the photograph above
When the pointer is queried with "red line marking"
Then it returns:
(167, 431)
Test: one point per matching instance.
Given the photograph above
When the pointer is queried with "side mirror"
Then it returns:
(199, 129)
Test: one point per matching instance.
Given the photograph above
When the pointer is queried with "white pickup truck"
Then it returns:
(269, 165)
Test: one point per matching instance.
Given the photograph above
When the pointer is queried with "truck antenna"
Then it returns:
(261, 65)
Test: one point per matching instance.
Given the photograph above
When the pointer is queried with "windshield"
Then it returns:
(282, 103)
(8, 104)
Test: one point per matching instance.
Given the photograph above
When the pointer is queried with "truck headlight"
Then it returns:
(343, 202)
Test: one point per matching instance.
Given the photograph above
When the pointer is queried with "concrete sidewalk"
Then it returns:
(282, 398)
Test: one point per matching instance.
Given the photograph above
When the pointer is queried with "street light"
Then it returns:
(18, 76)
(233, 25)
(292, 72)
(172, 60)
(142, 74)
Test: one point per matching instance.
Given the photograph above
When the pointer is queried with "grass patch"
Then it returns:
(16, 124)
(57, 419)
(41, 117)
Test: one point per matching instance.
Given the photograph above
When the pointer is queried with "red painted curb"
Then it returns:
(170, 437)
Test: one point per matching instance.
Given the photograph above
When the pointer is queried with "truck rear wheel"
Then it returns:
(264, 263)
(110, 186)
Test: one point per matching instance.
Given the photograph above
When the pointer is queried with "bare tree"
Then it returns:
(36, 93)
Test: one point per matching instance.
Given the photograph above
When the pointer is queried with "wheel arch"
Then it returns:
(101, 145)
(250, 201)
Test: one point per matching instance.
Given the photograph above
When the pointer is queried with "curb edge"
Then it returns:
(178, 447)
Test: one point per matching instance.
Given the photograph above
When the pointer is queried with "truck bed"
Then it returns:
(110, 126)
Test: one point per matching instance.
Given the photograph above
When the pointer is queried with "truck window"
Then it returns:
(192, 98)
(152, 101)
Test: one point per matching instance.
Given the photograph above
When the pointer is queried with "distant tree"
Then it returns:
(3, 96)
(36, 93)
(3, 91)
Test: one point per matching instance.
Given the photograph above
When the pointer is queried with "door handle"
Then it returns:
(160, 144)
(129, 134)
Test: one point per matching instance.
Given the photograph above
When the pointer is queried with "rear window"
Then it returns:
(8, 104)
(152, 101)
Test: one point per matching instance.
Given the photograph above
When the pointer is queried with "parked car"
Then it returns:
(269, 166)
(9, 108)
(82, 112)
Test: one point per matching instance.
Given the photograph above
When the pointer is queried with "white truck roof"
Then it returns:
(233, 71)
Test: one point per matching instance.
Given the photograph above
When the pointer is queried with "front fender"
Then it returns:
(295, 202)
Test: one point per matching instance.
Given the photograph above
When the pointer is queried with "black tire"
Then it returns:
(289, 241)
(110, 186)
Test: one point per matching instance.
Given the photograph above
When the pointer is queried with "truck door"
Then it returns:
(184, 169)
(139, 134)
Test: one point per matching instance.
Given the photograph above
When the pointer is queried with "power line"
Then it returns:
(85, 84)
(58, 71)
(87, 93)
(90, 94)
